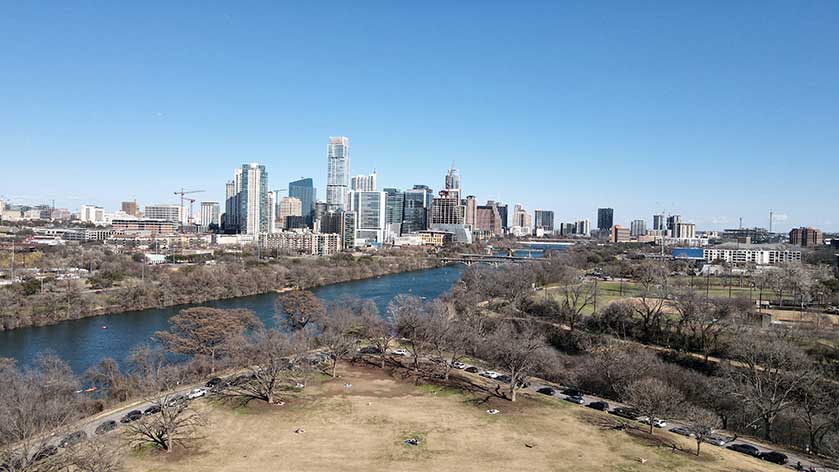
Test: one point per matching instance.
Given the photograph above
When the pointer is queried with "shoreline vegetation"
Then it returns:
(147, 287)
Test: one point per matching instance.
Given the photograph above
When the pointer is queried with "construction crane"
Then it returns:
(183, 192)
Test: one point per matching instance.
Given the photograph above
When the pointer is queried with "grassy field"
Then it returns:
(364, 427)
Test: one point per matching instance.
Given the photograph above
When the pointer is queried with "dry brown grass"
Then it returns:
(363, 428)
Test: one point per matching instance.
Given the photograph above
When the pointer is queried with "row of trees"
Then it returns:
(48, 300)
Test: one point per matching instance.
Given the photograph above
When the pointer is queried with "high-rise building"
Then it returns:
(92, 214)
(471, 211)
(488, 219)
(620, 234)
(672, 222)
(131, 208)
(566, 229)
(331, 222)
(230, 222)
(446, 210)
(544, 219)
(658, 222)
(502, 210)
(452, 183)
(338, 171)
(272, 211)
(605, 219)
(684, 230)
(210, 215)
(806, 237)
(305, 191)
(637, 228)
(369, 210)
(394, 208)
(416, 208)
(582, 228)
(348, 229)
(164, 212)
(289, 206)
(254, 212)
(364, 183)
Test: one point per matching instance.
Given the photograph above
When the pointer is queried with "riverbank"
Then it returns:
(195, 284)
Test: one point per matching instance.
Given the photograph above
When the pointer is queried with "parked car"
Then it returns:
(658, 423)
(105, 427)
(370, 350)
(575, 399)
(438, 360)
(572, 392)
(152, 410)
(214, 382)
(178, 399)
(399, 352)
(774, 456)
(602, 406)
(458, 365)
(745, 449)
(490, 374)
(682, 431)
(546, 391)
(132, 415)
(716, 440)
(196, 393)
(472, 370)
(625, 413)
(504, 378)
(72, 439)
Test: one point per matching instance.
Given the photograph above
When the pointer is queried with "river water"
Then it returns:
(82, 343)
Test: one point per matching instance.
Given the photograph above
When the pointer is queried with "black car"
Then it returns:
(105, 427)
(625, 413)
(774, 456)
(504, 378)
(72, 439)
(472, 370)
(572, 392)
(370, 350)
(546, 391)
(132, 415)
(745, 449)
(602, 406)
(154, 409)
(213, 382)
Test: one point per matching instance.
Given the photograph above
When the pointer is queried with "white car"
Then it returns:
(196, 393)
(658, 423)
(399, 352)
(458, 365)
(490, 374)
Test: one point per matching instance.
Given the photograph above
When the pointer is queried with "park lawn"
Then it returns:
(364, 427)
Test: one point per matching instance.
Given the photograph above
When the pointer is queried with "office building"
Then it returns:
(620, 234)
(502, 211)
(131, 208)
(446, 210)
(683, 230)
(394, 207)
(806, 237)
(637, 228)
(452, 184)
(732, 253)
(544, 220)
(488, 219)
(415, 209)
(91, 214)
(672, 221)
(331, 222)
(582, 228)
(605, 219)
(369, 210)
(289, 206)
(230, 219)
(364, 183)
(253, 210)
(338, 171)
(470, 211)
(210, 212)
(566, 229)
(348, 230)
(306, 192)
(144, 226)
(659, 222)
(164, 212)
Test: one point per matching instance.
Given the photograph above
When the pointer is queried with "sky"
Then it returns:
(714, 110)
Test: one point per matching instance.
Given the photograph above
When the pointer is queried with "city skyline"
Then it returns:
(689, 123)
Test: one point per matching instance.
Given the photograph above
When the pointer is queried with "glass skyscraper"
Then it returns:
(304, 191)
(338, 171)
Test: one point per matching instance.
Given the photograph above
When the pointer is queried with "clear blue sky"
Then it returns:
(712, 109)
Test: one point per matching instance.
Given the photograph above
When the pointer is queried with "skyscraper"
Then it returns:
(249, 209)
(488, 219)
(364, 183)
(338, 171)
(307, 194)
(272, 211)
(637, 228)
(471, 211)
(210, 215)
(544, 219)
(131, 208)
(605, 219)
(369, 209)
(453, 182)
(446, 209)
(289, 206)
(394, 207)
(416, 208)
(502, 210)
(658, 222)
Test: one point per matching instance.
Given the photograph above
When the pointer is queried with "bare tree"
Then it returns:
(701, 424)
(521, 351)
(298, 309)
(702, 320)
(175, 425)
(409, 315)
(613, 366)
(379, 332)
(576, 295)
(815, 406)
(654, 398)
(206, 331)
(341, 332)
(110, 381)
(764, 372)
(653, 291)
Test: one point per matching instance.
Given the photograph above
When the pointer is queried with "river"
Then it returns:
(82, 343)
